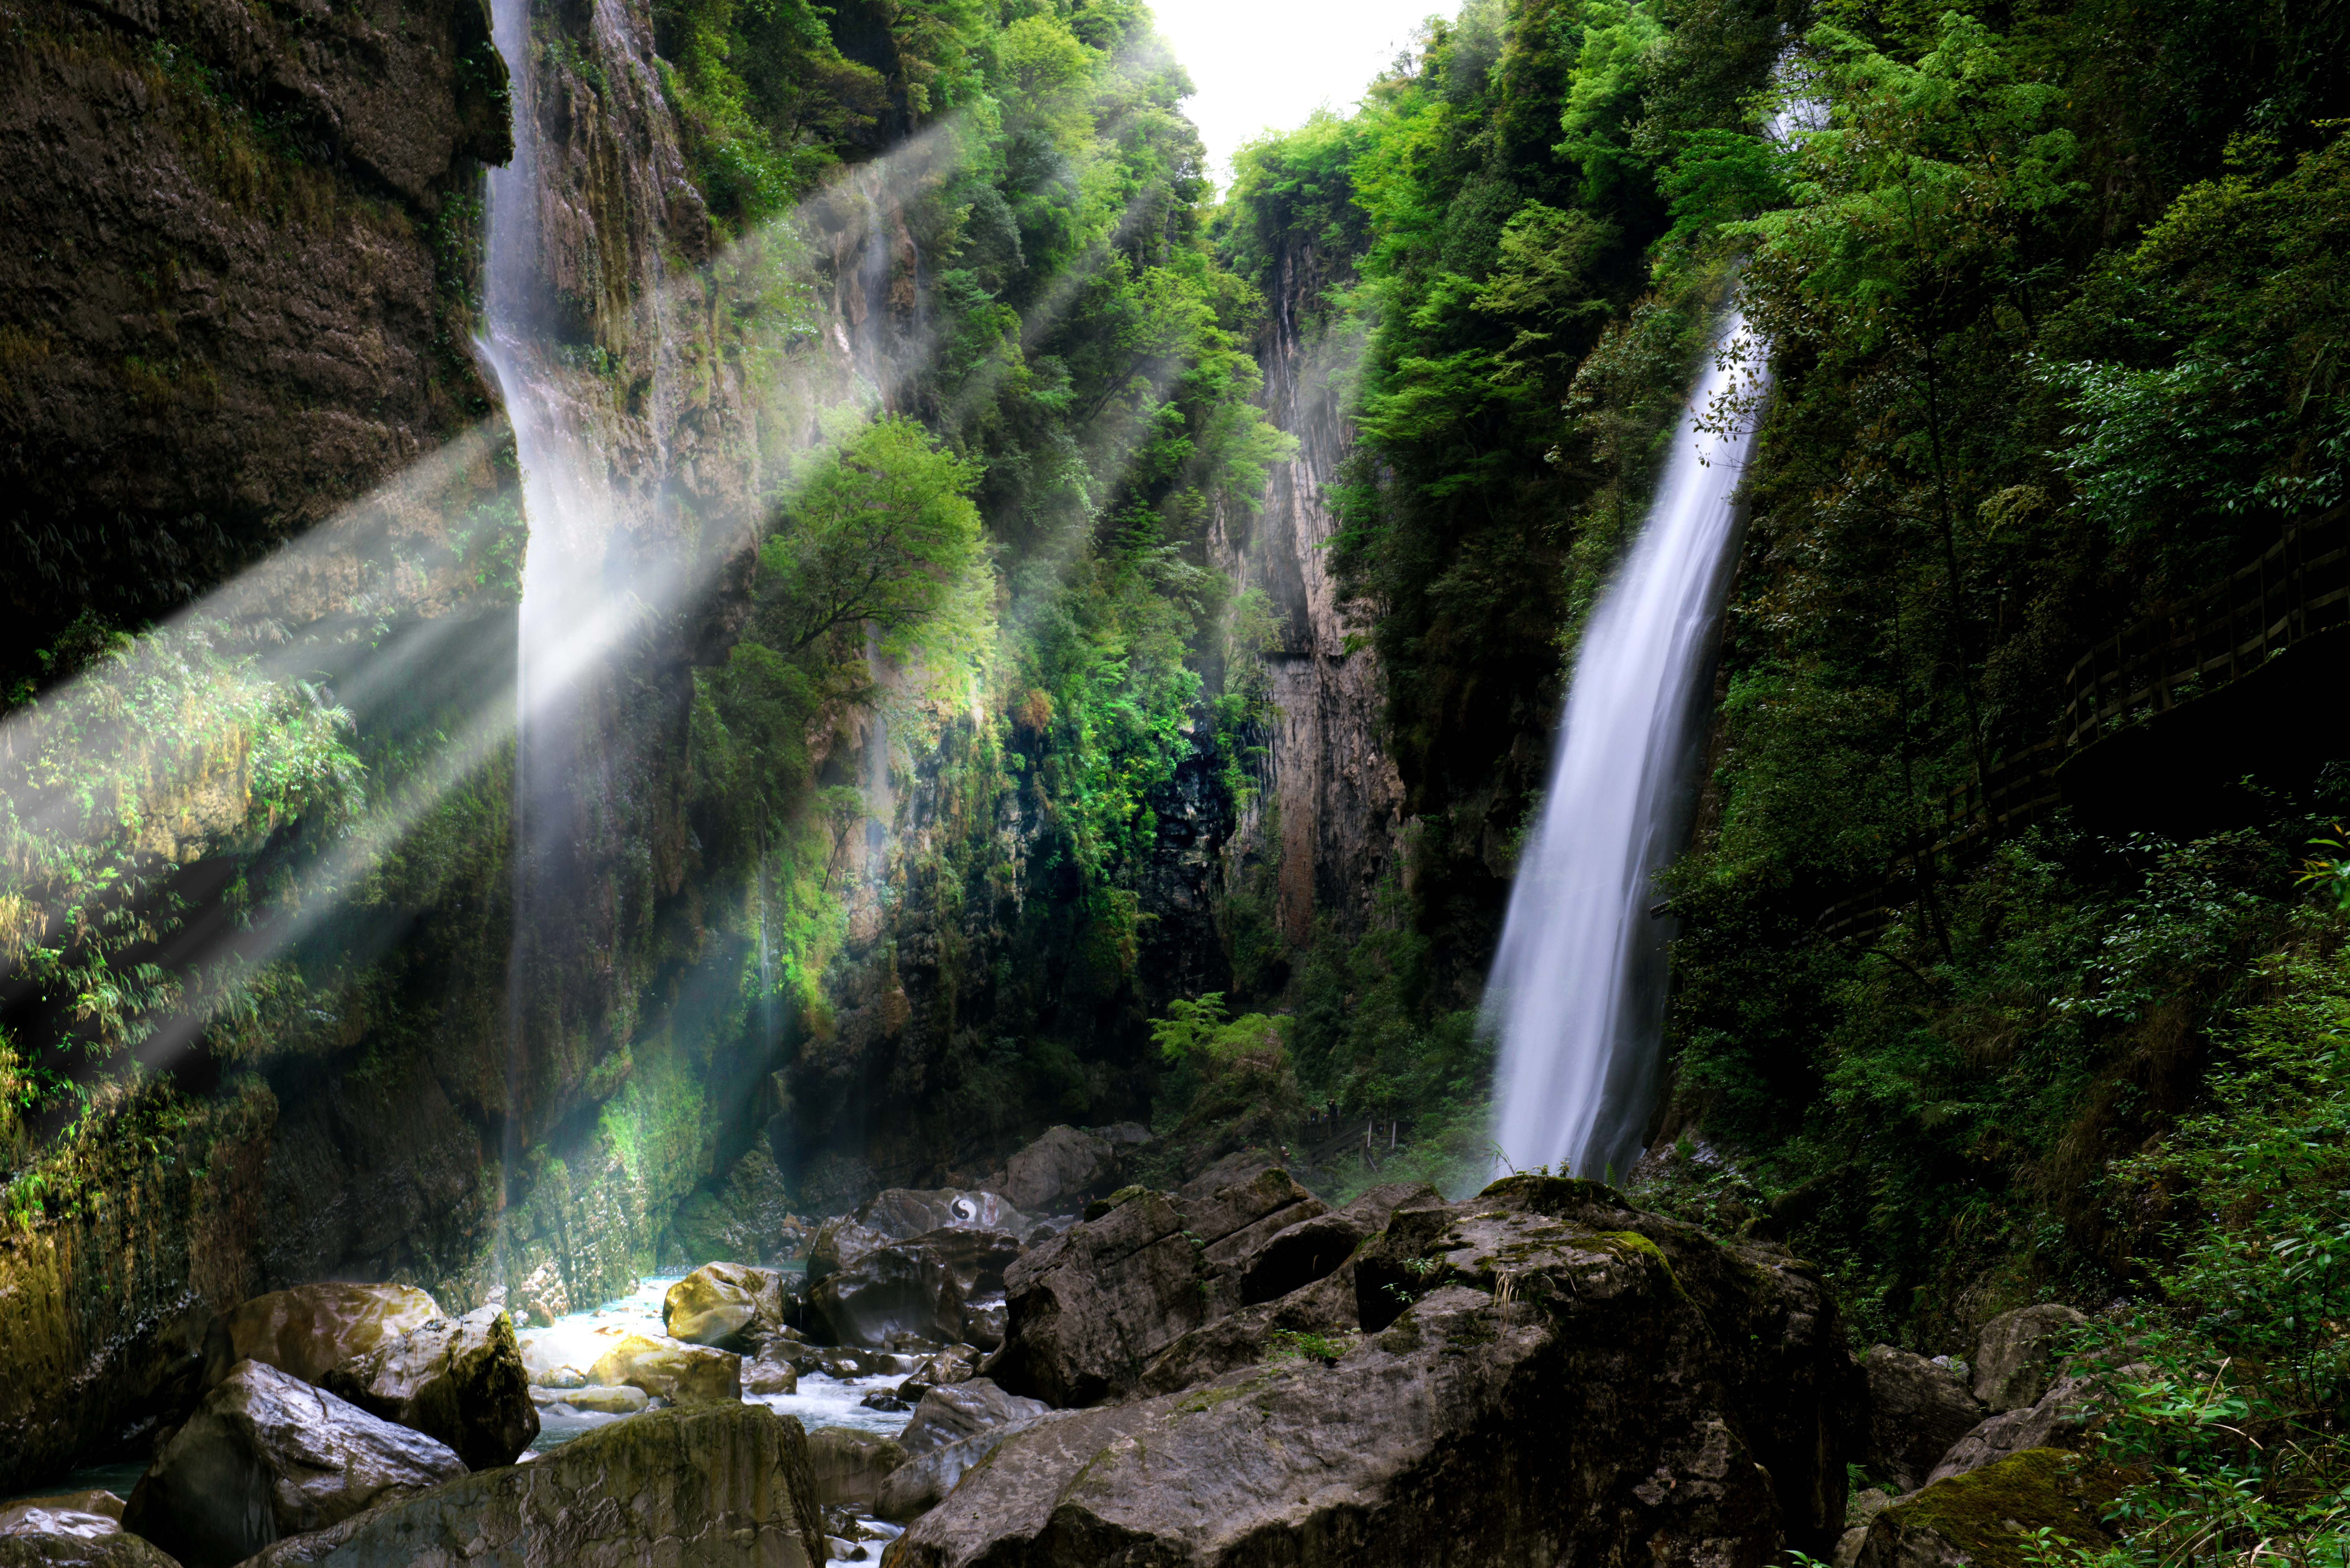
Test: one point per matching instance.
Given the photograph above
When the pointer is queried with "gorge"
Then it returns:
(767, 758)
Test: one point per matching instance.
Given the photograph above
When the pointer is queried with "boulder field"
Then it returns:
(1229, 1372)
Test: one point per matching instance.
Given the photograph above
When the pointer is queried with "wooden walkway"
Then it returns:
(2299, 589)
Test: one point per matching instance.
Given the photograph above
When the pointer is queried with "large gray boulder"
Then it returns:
(1059, 1171)
(310, 1330)
(902, 1213)
(1088, 1310)
(2015, 1355)
(902, 1287)
(1558, 1373)
(719, 1487)
(462, 1382)
(954, 1411)
(2059, 1420)
(726, 1306)
(266, 1456)
(1916, 1410)
(954, 1428)
(839, 1244)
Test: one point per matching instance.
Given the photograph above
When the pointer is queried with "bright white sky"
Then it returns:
(1260, 63)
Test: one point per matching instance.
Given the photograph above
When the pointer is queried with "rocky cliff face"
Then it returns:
(1334, 811)
(232, 294)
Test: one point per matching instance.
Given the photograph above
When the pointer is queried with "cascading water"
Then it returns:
(1577, 987)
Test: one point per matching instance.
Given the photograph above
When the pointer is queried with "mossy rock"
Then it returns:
(1988, 1518)
(1101, 1206)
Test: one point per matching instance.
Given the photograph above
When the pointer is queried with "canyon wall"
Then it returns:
(1331, 819)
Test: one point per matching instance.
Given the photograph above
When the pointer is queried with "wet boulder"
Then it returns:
(850, 1464)
(1916, 1410)
(839, 1244)
(1990, 1518)
(899, 1288)
(951, 1412)
(1059, 1171)
(2015, 1354)
(1556, 1369)
(902, 1213)
(1088, 1310)
(977, 1258)
(267, 1455)
(92, 1513)
(769, 1373)
(72, 1530)
(681, 1374)
(984, 1319)
(724, 1305)
(718, 1485)
(462, 1382)
(310, 1330)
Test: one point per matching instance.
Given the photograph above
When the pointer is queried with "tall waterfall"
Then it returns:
(1578, 988)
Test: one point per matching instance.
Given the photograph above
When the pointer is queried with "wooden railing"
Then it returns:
(2299, 588)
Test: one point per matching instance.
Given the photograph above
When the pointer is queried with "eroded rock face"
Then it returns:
(1089, 1309)
(1059, 1171)
(268, 1456)
(724, 1305)
(716, 1488)
(461, 1382)
(666, 1369)
(1916, 1410)
(1416, 1443)
(1311, 1249)
(2016, 1353)
(310, 1330)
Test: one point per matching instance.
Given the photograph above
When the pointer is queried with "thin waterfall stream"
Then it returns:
(1578, 988)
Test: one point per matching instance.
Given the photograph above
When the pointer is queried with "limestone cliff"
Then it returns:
(1334, 811)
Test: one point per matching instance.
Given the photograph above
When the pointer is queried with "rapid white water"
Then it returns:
(1576, 992)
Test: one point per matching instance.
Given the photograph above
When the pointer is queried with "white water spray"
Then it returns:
(1577, 987)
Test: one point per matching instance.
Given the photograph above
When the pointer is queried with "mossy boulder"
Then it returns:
(666, 1369)
(724, 1305)
(49, 1551)
(716, 1487)
(310, 1330)
(1989, 1518)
